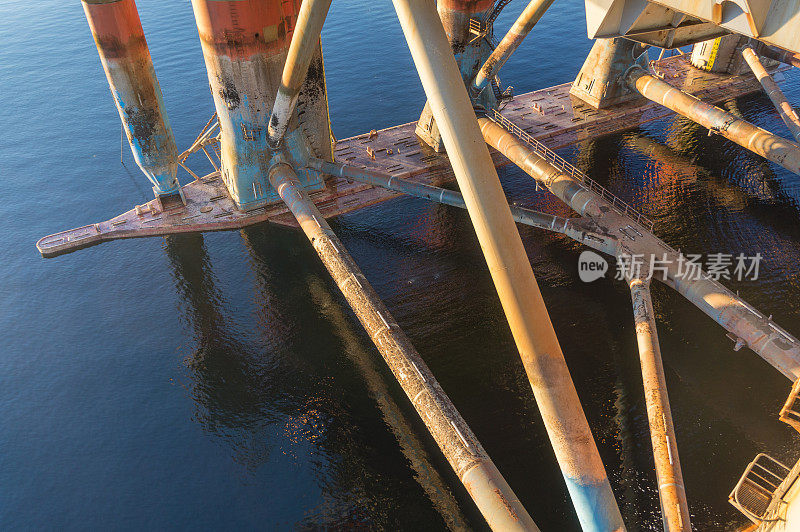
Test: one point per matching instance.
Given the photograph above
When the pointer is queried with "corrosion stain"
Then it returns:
(228, 93)
(144, 125)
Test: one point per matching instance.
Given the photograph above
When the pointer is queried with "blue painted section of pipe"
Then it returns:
(155, 152)
(591, 502)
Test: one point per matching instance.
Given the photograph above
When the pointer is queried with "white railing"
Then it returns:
(587, 182)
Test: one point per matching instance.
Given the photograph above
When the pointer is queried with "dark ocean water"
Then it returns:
(220, 381)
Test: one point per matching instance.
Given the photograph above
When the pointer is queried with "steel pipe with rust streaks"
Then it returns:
(510, 267)
(782, 105)
(563, 186)
(463, 451)
(674, 508)
(126, 61)
(244, 45)
(305, 39)
(511, 41)
(778, 150)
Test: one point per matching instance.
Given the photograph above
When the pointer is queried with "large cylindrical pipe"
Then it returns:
(487, 487)
(577, 229)
(778, 150)
(511, 41)
(563, 186)
(244, 44)
(672, 494)
(756, 331)
(776, 54)
(304, 43)
(126, 60)
(782, 105)
(510, 268)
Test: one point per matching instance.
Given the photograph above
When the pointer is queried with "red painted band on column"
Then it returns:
(116, 27)
(240, 29)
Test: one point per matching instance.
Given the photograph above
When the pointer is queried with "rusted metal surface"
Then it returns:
(510, 268)
(774, 148)
(772, 21)
(492, 495)
(510, 42)
(564, 186)
(549, 115)
(304, 44)
(245, 44)
(600, 81)
(782, 105)
(126, 61)
(671, 492)
(468, 26)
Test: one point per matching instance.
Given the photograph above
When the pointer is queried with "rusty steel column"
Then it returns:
(304, 43)
(455, 16)
(126, 61)
(487, 487)
(784, 108)
(511, 41)
(778, 150)
(510, 268)
(244, 45)
(674, 508)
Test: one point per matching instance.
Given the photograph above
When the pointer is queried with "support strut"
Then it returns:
(782, 105)
(306, 35)
(510, 267)
(674, 508)
(511, 41)
(487, 487)
(778, 150)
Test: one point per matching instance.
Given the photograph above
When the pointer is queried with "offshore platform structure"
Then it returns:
(275, 159)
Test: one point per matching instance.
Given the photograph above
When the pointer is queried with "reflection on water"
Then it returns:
(220, 381)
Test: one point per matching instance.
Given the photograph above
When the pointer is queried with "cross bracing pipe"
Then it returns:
(510, 268)
(511, 41)
(305, 38)
(785, 57)
(432, 193)
(581, 230)
(774, 148)
(562, 185)
(782, 105)
(487, 487)
(126, 61)
(674, 508)
(749, 326)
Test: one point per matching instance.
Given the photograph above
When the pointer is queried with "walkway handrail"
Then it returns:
(559, 162)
